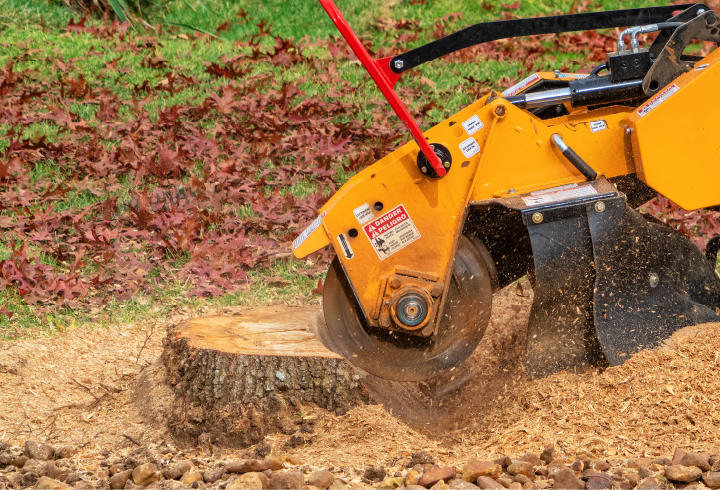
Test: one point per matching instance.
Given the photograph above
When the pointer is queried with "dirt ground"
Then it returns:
(73, 389)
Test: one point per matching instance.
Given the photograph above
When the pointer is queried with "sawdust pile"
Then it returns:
(655, 402)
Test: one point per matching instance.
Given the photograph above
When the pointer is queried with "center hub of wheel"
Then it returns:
(411, 308)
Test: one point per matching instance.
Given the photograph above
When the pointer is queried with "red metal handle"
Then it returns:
(385, 79)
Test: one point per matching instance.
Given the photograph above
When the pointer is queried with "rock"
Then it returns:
(275, 464)
(644, 472)
(542, 471)
(86, 485)
(700, 461)
(547, 454)
(20, 461)
(212, 476)
(119, 479)
(295, 441)
(290, 459)
(504, 481)
(191, 477)
(115, 469)
(74, 478)
(286, 480)
(37, 450)
(554, 468)
(532, 458)
(29, 478)
(711, 479)
(145, 474)
(678, 455)
(65, 452)
(589, 472)
(503, 461)
(175, 471)
(577, 467)
(621, 483)
(420, 457)
(599, 481)
(476, 468)
(460, 484)
(324, 479)
(34, 466)
(529, 486)
(714, 462)
(412, 478)
(521, 467)
(263, 449)
(632, 477)
(486, 483)
(685, 474)
(650, 483)
(45, 483)
(440, 485)
(6, 459)
(599, 465)
(436, 473)
(375, 473)
(248, 466)
(522, 479)
(515, 486)
(566, 479)
(251, 481)
(387, 484)
(56, 473)
(337, 485)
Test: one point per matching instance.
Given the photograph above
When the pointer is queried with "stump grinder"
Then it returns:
(541, 180)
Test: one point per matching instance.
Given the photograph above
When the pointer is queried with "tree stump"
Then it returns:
(231, 380)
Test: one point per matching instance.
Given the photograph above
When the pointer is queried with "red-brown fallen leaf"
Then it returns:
(318, 289)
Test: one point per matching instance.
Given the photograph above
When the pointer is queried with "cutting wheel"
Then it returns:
(399, 356)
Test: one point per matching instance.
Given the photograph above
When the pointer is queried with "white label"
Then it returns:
(701, 67)
(520, 85)
(472, 125)
(657, 99)
(469, 147)
(306, 233)
(572, 75)
(596, 126)
(345, 246)
(557, 194)
(364, 214)
(391, 232)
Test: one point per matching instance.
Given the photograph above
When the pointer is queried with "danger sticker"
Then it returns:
(391, 232)
(557, 194)
(345, 246)
(363, 214)
(472, 125)
(520, 85)
(597, 126)
(306, 233)
(572, 75)
(657, 99)
(469, 147)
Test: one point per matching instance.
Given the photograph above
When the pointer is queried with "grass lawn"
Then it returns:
(239, 106)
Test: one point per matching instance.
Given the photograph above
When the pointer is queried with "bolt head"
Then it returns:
(700, 11)
(653, 280)
(629, 130)
(537, 217)
(446, 164)
(424, 169)
(385, 321)
(501, 110)
(436, 290)
(398, 64)
(511, 191)
(600, 206)
(395, 283)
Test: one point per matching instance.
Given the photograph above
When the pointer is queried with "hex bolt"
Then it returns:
(398, 64)
(600, 206)
(436, 290)
(385, 321)
(387, 302)
(537, 217)
(700, 11)
(395, 283)
(629, 130)
(511, 191)
(500, 110)
(653, 279)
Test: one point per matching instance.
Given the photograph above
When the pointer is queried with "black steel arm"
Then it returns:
(493, 31)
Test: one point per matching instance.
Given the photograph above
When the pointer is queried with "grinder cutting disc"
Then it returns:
(399, 356)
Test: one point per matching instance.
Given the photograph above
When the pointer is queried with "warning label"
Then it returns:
(391, 232)
(597, 126)
(657, 99)
(523, 84)
(557, 194)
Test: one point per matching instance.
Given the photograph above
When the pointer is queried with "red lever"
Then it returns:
(385, 78)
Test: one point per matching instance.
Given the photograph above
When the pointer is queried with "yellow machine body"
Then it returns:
(498, 153)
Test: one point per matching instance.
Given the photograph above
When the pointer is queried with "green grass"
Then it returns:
(38, 27)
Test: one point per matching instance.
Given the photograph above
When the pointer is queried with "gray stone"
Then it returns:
(486, 483)
(286, 480)
(37, 450)
(566, 479)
